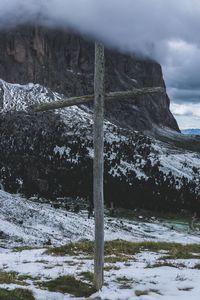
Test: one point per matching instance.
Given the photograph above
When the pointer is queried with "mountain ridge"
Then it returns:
(191, 131)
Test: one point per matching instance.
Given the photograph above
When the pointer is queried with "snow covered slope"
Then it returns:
(36, 144)
(24, 222)
(17, 97)
(20, 97)
(146, 275)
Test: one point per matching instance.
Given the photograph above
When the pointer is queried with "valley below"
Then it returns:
(47, 253)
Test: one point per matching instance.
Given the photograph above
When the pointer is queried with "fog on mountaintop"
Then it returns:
(140, 25)
(167, 31)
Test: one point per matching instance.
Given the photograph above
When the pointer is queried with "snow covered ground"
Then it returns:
(144, 276)
(163, 282)
(24, 222)
(125, 281)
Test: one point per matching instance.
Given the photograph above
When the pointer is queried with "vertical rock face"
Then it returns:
(64, 62)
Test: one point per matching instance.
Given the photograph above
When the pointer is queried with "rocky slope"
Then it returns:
(63, 61)
(50, 155)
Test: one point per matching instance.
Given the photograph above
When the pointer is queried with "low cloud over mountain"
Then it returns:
(167, 31)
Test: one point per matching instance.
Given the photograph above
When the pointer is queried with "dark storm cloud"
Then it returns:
(183, 95)
(130, 24)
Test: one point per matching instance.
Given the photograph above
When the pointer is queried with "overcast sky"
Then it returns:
(166, 30)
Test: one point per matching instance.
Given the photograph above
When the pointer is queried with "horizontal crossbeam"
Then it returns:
(66, 102)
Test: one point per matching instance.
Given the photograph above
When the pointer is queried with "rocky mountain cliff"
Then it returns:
(50, 154)
(64, 62)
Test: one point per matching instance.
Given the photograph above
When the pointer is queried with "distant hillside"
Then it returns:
(191, 131)
(50, 155)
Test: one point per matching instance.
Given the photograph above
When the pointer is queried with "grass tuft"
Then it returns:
(141, 293)
(197, 267)
(165, 264)
(87, 276)
(11, 277)
(69, 285)
(15, 278)
(8, 277)
(124, 282)
(17, 294)
(121, 249)
(22, 248)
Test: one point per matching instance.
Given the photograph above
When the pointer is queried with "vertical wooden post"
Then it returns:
(98, 167)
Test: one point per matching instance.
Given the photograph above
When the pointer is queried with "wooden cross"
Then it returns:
(67, 102)
(98, 165)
